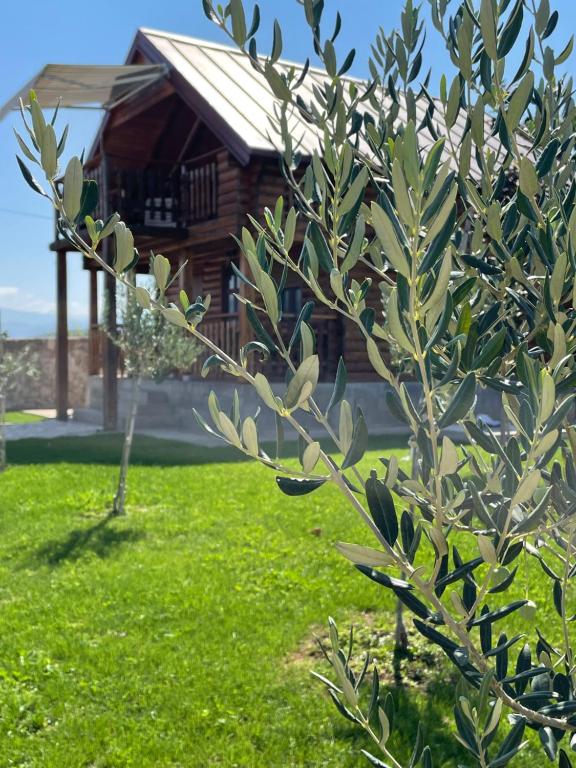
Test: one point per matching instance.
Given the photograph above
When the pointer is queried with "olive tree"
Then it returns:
(471, 251)
(152, 348)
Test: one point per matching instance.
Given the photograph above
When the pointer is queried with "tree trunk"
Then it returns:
(120, 498)
(400, 633)
(504, 431)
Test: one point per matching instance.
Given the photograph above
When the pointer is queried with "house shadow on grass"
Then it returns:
(101, 539)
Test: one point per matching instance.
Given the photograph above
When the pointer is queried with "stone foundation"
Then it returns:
(168, 406)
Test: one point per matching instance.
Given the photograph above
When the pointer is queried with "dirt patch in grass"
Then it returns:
(423, 666)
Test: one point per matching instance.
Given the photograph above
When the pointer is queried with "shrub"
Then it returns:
(470, 243)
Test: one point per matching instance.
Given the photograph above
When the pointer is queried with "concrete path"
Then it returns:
(48, 429)
(51, 428)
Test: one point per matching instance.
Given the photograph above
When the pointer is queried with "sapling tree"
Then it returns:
(152, 348)
(445, 229)
(14, 366)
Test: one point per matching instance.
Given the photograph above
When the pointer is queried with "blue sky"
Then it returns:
(36, 33)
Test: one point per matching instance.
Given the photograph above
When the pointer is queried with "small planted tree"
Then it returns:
(443, 228)
(14, 366)
(152, 348)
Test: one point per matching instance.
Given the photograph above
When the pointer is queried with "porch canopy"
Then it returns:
(95, 86)
(87, 87)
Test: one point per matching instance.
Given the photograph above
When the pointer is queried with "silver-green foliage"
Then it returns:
(473, 251)
(151, 346)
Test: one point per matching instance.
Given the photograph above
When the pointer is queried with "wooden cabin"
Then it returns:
(184, 161)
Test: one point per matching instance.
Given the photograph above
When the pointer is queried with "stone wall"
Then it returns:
(169, 406)
(40, 391)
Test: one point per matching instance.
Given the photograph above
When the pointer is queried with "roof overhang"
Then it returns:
(87, 86)
(227, 133)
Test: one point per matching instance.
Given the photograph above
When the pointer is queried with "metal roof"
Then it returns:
(223, 83)
(222, 87)
(98, 86)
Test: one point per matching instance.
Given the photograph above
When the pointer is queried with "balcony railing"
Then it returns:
(328, 346)
(223, 330)
(164, 197)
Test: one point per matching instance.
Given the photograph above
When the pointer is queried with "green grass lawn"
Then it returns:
(21, 417)
(171, 637)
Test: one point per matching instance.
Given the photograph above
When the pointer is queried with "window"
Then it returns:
(231, 285)
(292, 299)
(291, 296)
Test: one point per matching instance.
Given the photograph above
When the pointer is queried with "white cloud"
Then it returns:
(12, 297)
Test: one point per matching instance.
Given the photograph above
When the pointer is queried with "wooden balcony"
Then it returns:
(224, 331)
(161, 200)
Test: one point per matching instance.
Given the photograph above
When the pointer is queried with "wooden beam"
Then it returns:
(201, 106)
(110, 356)
(93, 330)
(188, 274)
(191, 136)
(244, 327)
(93, 298)
(139, 103)
(61, 337)
(110, 352)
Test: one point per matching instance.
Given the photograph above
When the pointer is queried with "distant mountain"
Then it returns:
(29, 325)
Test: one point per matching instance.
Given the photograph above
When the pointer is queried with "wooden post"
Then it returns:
(93, 298)
(244, 327)
(93, 331)
(188, 274)
(61, 337)
(110, 352)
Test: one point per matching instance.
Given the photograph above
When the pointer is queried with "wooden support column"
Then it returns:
(188, 275)
(61, 337)
(245, 332)
(244, 327)
(93, 331)
(110, 351)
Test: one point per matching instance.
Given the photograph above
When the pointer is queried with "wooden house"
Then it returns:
(184, 161)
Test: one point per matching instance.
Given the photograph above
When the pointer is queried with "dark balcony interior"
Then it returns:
(161, 199)
(161, 166)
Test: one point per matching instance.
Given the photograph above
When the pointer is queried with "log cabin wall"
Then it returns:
(269, 185)
(162, 131)
(210, 248)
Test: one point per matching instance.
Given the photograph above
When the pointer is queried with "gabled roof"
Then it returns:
(223, 88)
